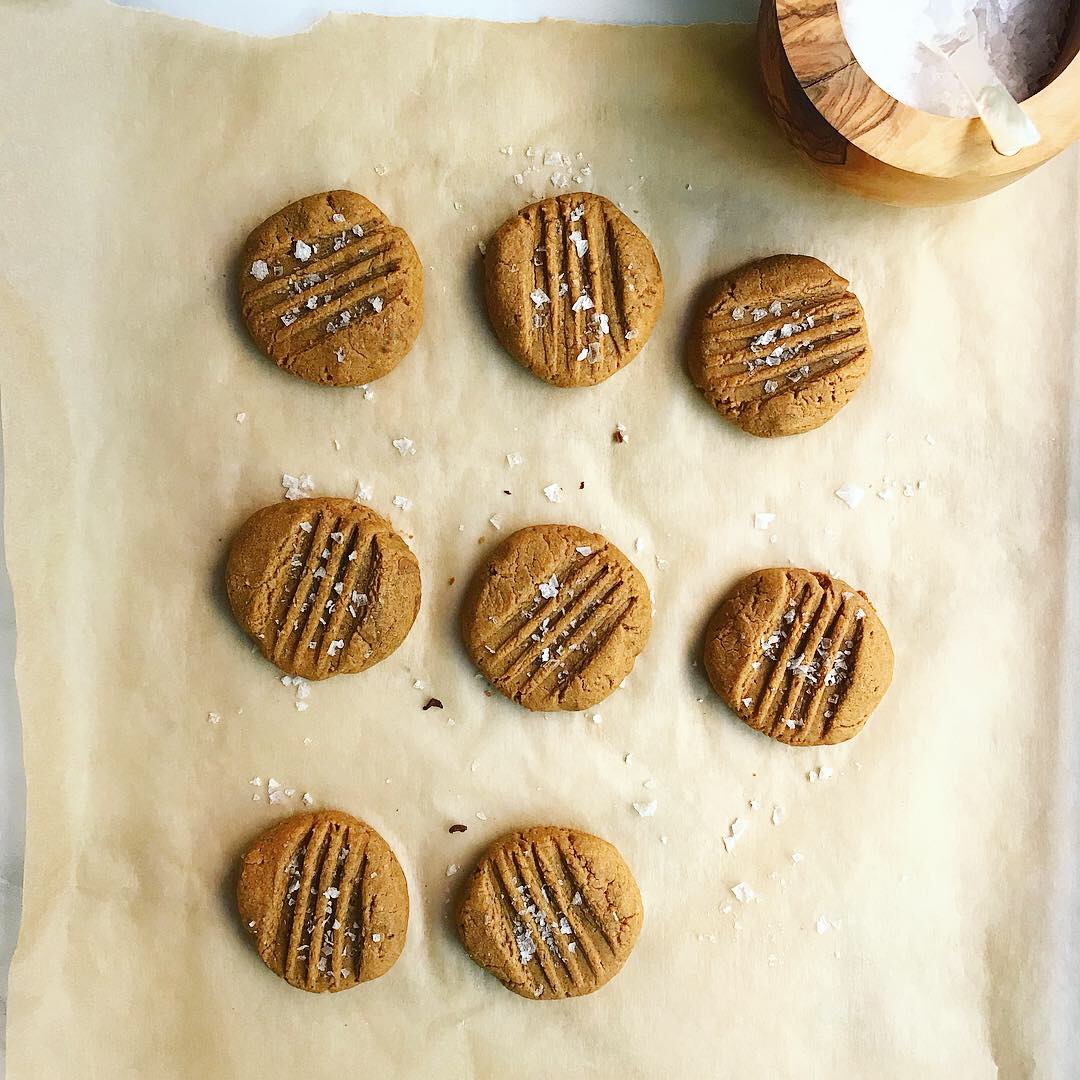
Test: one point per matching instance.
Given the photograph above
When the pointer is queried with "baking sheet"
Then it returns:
(140, 152)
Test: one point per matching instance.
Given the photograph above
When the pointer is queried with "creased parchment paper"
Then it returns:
(138, 152)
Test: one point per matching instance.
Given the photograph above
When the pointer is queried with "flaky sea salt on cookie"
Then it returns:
(799, 656)
(325, 900)
(573, 287)
(324, 586)
(331, 290)
(551, 912)
(556, 618)
(780, 346)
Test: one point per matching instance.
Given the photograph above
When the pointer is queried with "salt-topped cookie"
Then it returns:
(551, 912)
(573, 288)
(324, 586)
(556, 618)
(780, 346)
(325, 900)
(332, 291)
(799, 656)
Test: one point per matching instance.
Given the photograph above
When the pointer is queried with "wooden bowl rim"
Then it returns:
(965, 141)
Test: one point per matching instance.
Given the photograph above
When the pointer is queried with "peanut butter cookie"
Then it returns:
(799, 656)
(325, 900)
(551, 913)
(556, 618)
(573, 288)
(781, 346)
(324, 586)
(331, 291)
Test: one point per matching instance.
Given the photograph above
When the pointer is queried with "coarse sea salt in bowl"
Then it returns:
(877, 112)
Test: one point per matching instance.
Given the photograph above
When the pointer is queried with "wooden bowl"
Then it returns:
(861, 137)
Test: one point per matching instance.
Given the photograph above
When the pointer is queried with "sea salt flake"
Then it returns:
(496, 521)
(738, 313)
(213, 718)
(763, 519)
(301, 251)
(549, 589)
(583, 550)
(602, 324)
(301, 706)
(338, 219)
(646, 809)
(402, 503)
(661, 564)
(376, 303)
(850, 494)
(583, 303)
(297, 487)
(451, 870)
(363, 493)
(743, 893)
(358, 230)
(553, 493)
(539, 297)
(775, 307)
(259, 270)
(757, 314)
(513, 459)
(584, 354)
(553, 157)
(581, 245)
(577, 213)
(404, 446)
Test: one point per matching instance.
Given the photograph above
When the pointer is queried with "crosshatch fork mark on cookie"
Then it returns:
(323, 585)
(552, 912)
(799, 656)
(325, 900)
(558, 613)
(573, 288)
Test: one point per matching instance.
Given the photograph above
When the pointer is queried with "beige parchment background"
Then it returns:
(138, 152)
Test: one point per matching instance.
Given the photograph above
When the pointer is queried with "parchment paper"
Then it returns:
(138, 153)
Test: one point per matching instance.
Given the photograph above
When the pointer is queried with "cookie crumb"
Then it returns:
(432, 703)
(619, 434)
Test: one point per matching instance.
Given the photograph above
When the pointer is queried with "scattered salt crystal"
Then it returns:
(743, 893)
(358, 230)
(553, 493)
(582, 303)
(639, 544)
(851, 494)
(596, 718)
(553, 157)
(338, 219)
(404, 446)
(824, 772)
(213, 718)
(381, 170)
(259, 270)
(583, 550)
(451, 870)
(775, 307)
(539, 297)
(822, 925)
(549, 589)
(738, 313)
(496, 521)
(297, 487)
(777, 814)
(661, 564)
(518, 178)
(647, 809)
(308, 799)
(581, 245)
(255, 781)
(885, 494)
(402, 503)
(584, 354)
(376, 303)
(301, 251)
(514, 459)
(931, 440)
(301, 706)
(363, 493)
(241, 417)
(601, 321)
(763, 520)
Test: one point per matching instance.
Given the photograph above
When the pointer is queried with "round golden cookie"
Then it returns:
(551, 913)
(798, 655)
(326, 901)
(324, 586)
(780, 346)
(573, 288)
(331, 291)
(556, 618)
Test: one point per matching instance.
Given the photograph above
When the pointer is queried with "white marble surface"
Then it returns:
(273, 17)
